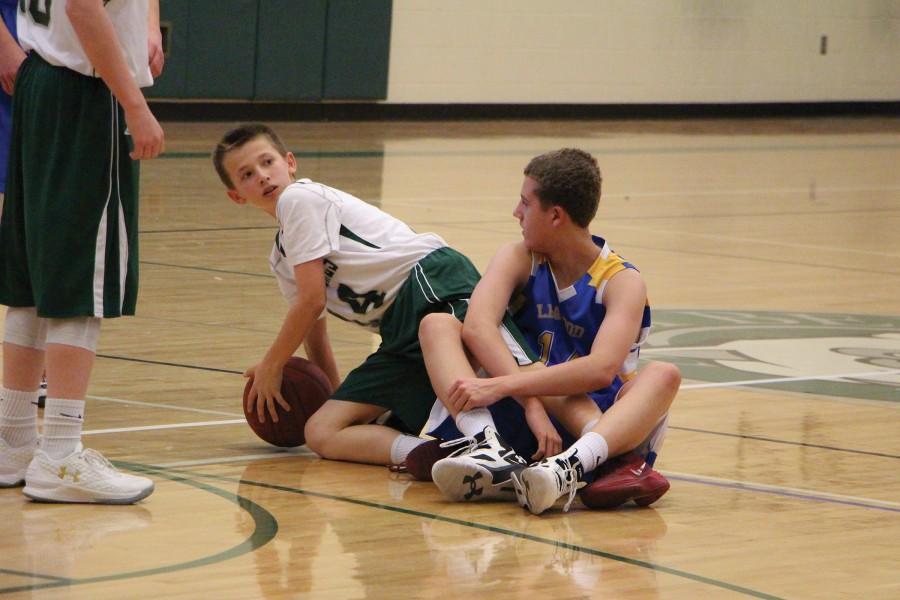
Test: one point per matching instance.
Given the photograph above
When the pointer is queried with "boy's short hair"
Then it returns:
(569, 178)
(236, 138)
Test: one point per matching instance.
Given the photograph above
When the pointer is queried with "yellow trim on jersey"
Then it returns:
(604, 268)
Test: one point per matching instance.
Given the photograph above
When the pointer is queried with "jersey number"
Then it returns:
(41, 17)
(360, 303)
(546, 341)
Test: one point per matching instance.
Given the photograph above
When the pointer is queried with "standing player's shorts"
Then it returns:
(395, 376)
(68, 236)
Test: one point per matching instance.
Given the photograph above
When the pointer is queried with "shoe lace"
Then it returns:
(571, 479)
(466, 445)
(93, 457)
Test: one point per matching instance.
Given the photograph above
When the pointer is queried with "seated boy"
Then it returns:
(584, 310)
(337, 253)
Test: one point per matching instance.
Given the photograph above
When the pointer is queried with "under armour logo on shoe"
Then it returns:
(474, 490)
(64, 471)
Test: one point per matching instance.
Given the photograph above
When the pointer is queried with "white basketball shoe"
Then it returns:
(539, 486)
(14, 462)
(85, 476)
(481, 470)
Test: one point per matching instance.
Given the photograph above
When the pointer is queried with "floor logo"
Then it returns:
(860, 354)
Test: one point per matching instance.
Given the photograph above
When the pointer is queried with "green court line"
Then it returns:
(265, 528)
(492, 529)
(61, 580)
(595, 151)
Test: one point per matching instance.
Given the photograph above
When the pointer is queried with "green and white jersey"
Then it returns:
(368, 254)
(44, 27)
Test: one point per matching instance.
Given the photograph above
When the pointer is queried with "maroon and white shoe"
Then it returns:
(419, 461)
(623, 478)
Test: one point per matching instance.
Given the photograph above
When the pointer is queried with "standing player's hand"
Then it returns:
(10, 61)
(157, 58)
(146, 133)
(265, 391)
(549, 442)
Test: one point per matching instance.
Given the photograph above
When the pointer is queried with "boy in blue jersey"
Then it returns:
(584, 310)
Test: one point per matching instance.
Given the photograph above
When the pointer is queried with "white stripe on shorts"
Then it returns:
(100, 247)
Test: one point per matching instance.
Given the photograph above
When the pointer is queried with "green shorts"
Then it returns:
(68, 235)
(394, 376)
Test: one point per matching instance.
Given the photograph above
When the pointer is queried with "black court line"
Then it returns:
(207, 269)
(595, 151)
(499, 530)
(749, 487)
(213, 229)
(788, 442)
(169, 364)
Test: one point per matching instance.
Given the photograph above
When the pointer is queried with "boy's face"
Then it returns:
(259, 173)
(536, 221)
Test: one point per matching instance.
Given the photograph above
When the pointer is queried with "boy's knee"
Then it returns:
(668, 376)
(435, 324)
(317, 434)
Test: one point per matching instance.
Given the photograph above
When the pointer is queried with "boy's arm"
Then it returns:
(155, 55)
(11, 57)
(624, 297)
(318, 350)
(507, 272)
(299, 321)
(98, 38)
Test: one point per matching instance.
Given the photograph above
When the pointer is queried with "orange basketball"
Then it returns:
(305, 387)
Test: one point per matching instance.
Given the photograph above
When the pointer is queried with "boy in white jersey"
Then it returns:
(68, 236)
(585, 310)
(337, 253)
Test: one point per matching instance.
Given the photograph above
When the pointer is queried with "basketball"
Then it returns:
(305, 387)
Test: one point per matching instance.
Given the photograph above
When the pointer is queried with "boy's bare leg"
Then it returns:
(68, 371)
(22, 367)
(343, 430)
(445, 356)
(642, 403)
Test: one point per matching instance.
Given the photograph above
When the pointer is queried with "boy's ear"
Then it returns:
(557, 214)
(235, 197)
(292, 163)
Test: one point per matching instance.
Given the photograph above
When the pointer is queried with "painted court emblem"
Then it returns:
(853, 356)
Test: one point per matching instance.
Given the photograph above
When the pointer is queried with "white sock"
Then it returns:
(592, 450)
(402, 446)
(472, 422)
(18, 417)
(63, 420)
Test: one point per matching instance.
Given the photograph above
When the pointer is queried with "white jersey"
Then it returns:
(44, 27)
(368, 254)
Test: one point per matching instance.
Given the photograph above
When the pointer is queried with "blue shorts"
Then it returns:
(509, 417)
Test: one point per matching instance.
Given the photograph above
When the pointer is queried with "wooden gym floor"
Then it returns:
(772, 255)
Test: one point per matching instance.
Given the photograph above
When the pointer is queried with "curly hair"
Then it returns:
(568, 178)
(236, 138)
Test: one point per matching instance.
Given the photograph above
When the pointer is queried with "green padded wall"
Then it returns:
(275, 49)
(290, 49)
(357, 47)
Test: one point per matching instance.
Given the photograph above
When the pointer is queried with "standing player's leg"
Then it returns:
(23, 358)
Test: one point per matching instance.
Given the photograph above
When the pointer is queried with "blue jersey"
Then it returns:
(561, 324)
(8, 14)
